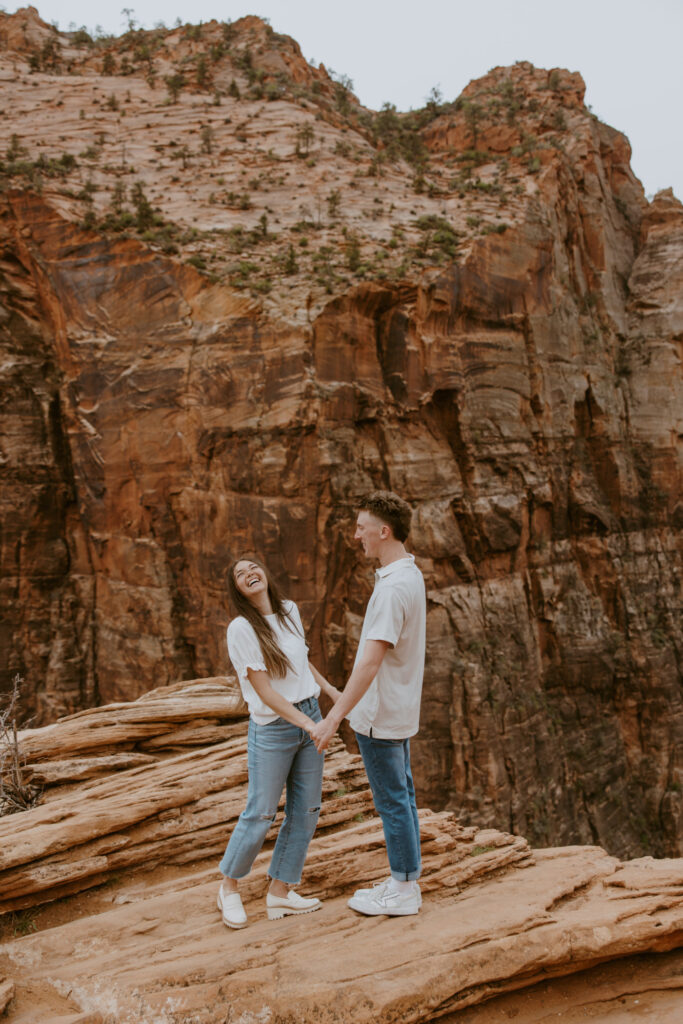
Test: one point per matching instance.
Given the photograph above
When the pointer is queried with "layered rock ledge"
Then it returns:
(117, 877)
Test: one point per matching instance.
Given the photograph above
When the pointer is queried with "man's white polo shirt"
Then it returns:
(396, 613)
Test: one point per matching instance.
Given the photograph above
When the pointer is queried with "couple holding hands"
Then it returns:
(288, 736)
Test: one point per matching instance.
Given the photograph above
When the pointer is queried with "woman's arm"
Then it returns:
(332, 692)
(276, 702)
(364, 671)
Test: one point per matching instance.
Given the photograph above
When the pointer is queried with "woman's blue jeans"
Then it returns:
(278, 754)
(387, 763)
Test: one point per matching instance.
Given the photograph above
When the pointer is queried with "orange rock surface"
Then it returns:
(492, 330)
(139, 939)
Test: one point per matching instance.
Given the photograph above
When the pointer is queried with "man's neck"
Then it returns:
(392, 553)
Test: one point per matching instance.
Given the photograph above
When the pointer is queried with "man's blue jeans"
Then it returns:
(278, 754)
(387, 763)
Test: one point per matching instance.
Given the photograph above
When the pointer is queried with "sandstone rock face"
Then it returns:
(525, 398)
(139, 938)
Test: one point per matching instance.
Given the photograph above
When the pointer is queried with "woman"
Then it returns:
(269, 654)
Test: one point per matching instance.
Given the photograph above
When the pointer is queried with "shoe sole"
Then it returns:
(276, 913)
(364, 909)
(226, 922)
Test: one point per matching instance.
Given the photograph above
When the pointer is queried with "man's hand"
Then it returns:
(364, 671)
(322, 733)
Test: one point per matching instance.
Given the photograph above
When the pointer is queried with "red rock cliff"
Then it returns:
(522, 390)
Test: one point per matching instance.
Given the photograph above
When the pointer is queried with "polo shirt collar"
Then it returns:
(400, 563)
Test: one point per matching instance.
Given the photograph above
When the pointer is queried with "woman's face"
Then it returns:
(250, 579)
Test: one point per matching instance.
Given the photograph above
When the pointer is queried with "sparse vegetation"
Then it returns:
(198, 261)
(290, 265)
(17, 163)
(23, 922)
(352, 252)
(333, 203)
(48, 58)
(343, 87)
(144, 214)
(323, 267)
(438, 236)
(343, 233)
(206, 135)
(174, 83)
(203, 77)
(16, 792)
(304, 139)
(494, 229)
(399, 135)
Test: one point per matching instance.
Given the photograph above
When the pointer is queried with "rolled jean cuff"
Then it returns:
(406, 876)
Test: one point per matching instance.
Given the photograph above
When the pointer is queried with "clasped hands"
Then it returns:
(322, 732)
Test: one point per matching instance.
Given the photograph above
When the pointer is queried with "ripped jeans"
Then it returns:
(278, 754)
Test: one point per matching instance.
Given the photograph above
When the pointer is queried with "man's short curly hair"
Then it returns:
(390, 509)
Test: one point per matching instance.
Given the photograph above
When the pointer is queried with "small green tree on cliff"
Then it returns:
(174, 83)
(472, 117)
(304, 139)
(144, 214)
(207, 138)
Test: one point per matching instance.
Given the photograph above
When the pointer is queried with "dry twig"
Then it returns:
(16, 794)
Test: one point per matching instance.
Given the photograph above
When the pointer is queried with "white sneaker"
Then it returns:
(364, 893)
(384, 899)
(292, 903)
(230, 906)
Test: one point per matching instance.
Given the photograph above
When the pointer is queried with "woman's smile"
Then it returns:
(250, 578)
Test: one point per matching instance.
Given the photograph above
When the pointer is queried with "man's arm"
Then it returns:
(364, 672)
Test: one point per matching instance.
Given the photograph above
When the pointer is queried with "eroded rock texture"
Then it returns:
(108, 897)
(525, 398)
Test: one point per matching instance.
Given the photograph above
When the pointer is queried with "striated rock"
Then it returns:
(614, 993)
(160, 808)
(165, 952)
(25, 31)
(6, 993)
(187, 713)
(520, 385)
(497, 918)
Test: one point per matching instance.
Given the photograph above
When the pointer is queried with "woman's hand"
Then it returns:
(323, 733)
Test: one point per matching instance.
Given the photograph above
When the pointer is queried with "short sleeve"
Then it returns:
(244, 648)
(385, 617)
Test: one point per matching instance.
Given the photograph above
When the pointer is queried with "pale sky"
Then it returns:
(630, 52)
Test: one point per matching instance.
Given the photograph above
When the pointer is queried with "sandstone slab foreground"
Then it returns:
(136, 936)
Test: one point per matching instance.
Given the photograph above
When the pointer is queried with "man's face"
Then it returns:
(370, 531)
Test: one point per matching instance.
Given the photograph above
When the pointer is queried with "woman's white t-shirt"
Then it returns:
(245, 652)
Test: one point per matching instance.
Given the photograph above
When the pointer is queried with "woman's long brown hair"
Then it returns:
(277, 663)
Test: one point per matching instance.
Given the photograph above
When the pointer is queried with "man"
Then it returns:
(382, 698)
